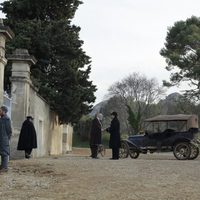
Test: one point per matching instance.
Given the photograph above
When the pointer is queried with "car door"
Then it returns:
(150, 140)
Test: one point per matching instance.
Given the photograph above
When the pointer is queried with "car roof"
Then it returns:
(178, 117)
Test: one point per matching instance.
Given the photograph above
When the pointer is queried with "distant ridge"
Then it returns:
(97, 108)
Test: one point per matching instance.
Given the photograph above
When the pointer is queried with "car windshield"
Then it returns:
(155, 127)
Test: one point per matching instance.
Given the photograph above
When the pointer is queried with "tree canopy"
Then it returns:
(62, 72)
(182, 53)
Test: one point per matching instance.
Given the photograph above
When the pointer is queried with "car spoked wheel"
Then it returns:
(124, 150)
(133, 154)
(182, 151)
(194, 152)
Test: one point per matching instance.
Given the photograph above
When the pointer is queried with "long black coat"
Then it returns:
(95, 132)
(114, 131)
(27, 137)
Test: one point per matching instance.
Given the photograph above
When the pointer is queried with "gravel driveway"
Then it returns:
(76, 176)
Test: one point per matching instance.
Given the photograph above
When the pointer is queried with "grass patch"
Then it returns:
(79, 142)
(105, 139)
(84, 143)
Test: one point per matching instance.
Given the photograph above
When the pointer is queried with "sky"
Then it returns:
(126, 36)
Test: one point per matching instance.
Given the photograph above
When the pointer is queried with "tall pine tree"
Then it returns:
(62, 72)
(182, 54)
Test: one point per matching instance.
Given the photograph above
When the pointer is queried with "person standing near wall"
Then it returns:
(95, 135)
(5, 135)
(114, 142)
(27, 138)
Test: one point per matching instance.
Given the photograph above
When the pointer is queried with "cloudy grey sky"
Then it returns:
(125, 36)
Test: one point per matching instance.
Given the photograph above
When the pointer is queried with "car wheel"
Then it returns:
(194, 152)
(124, 150)
(182, 151)
(134, 154)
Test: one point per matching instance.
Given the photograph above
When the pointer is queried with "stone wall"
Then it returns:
(26, 101)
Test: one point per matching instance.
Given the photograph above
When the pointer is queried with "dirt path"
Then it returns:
(78, 177)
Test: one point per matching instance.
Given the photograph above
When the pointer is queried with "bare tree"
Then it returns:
(138, 94)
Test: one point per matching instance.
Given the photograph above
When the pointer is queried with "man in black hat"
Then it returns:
(114, 131)
(5, 134)
(27, 138)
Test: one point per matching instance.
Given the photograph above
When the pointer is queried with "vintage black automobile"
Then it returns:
(165, 133)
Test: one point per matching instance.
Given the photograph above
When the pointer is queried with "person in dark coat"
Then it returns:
(114, 142)
(95, 135)
(27, 138)
(5, 135)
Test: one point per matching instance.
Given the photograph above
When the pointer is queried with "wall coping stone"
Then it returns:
(6, 30)
(22, 55)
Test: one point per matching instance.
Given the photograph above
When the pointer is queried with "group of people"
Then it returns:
(27, 138)
(96, 134)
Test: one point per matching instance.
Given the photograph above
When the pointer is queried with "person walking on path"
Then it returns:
(5, 135)
(27, 138)
(114, 130)
(95, 135)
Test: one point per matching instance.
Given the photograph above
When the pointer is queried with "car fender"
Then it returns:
(178, 140)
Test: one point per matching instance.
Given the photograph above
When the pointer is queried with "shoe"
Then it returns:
(27, 156)
(3, 170)
(95, 158)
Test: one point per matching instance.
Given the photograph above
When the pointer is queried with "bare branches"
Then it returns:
(138, 93)
(138, 89)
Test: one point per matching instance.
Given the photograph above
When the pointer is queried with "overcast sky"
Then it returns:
(125, 36)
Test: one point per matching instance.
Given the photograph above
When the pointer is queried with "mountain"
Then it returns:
(98, 108)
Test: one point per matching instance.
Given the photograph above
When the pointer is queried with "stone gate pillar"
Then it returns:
(21, 63)
(5, 34)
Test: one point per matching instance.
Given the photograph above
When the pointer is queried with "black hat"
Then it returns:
(114, 113)
(29, 117)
